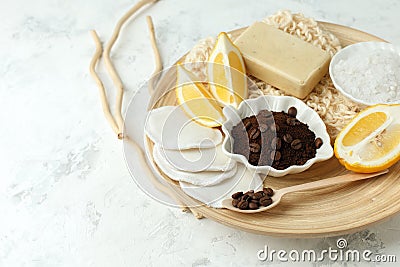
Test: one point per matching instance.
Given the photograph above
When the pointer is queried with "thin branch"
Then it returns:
(156, 52)
(103, 96)
(117, 125)
(110, 66)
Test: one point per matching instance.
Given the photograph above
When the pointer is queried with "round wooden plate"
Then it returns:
(336, 210)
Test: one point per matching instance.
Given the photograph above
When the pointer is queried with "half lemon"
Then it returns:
(371, 141)
(227, 73)
(195, 100)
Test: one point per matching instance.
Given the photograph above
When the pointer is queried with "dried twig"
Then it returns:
(102, 91)
(110, 66)
(196, 214)
(118, 123)
(156, 52)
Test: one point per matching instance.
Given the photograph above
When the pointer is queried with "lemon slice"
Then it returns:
(195, 100)
(226, 72)
(371, 141)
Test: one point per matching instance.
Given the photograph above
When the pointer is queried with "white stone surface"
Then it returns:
(66, 196)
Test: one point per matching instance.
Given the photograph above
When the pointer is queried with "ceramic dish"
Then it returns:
(276, 103)
(353, 50)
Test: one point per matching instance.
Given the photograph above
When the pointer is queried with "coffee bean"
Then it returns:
(287, 138)
(265, 113)
(254, 147)
(249, 193)
(291, 121)
(253, 206)
(262, 113)
(261, 192)
(318, 142)
(277, 156)
(272, 155)
(235, 202)
(292, 112)
(253, 162)
(265, 201)
(237, 195)
(296, 144)
(254, 158)
(274, 127)
(247, 124)
(258, 195)
(276, 143)
(243, 205)
(254, 133)
(268, 191)
(273, 143)
(244, 197)
(263, 127)
(254, 201)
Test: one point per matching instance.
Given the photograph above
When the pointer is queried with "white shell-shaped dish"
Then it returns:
(353, 50)
(305, 114)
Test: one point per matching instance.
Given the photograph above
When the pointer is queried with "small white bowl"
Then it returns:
(305, 114)
(353, 50)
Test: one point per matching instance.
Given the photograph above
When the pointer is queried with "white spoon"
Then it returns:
(278, 194)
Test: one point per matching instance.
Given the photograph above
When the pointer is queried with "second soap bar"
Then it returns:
(282, 60)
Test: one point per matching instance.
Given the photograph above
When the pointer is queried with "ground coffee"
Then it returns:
(276, 139)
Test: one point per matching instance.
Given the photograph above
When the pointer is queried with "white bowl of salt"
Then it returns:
(368, 73)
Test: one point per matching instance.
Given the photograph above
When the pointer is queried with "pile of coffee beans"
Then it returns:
(252, 200)
(276, 139)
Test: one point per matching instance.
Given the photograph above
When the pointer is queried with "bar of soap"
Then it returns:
(282, 60)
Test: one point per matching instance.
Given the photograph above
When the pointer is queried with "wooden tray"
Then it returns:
(331, 211)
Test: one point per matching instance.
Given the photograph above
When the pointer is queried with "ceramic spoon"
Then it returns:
(278, 194)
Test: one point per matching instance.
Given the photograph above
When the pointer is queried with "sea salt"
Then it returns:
(373, 77)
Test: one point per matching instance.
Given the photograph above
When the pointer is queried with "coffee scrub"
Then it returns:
(276, 139)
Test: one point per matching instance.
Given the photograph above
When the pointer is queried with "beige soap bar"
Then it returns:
(282, 60)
